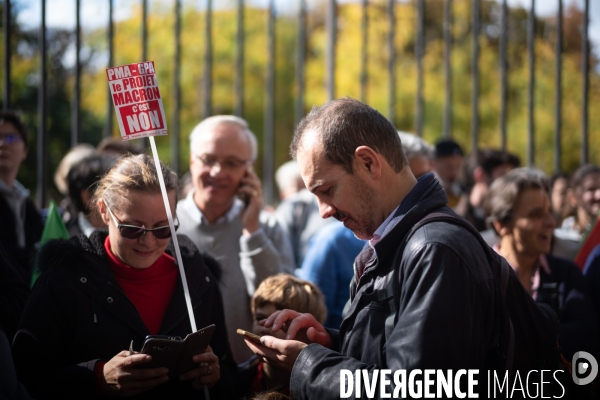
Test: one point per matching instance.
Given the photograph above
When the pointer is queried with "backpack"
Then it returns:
(526, 331)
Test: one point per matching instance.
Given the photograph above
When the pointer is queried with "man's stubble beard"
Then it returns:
(365, 200)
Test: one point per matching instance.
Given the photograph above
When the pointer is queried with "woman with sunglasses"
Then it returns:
(99, 297)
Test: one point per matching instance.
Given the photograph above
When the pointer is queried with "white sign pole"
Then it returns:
(163, 189)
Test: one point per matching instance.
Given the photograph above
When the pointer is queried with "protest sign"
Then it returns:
(140, 112)
(137, 101)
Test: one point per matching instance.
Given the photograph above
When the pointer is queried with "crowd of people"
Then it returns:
(308, 276)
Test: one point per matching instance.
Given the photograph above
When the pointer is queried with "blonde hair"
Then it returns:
(287, 291)
(133, 173)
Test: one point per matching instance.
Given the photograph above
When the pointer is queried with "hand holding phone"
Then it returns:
(242, 192)
(250, 191)
(175, 354)
(249, 335)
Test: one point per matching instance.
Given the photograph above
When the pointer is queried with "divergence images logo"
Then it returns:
(583, 364)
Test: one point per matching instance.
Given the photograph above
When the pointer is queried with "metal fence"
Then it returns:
(331, 26)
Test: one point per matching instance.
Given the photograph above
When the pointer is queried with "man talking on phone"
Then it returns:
(223, 215)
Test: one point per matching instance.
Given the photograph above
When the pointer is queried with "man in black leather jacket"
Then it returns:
(350, 157)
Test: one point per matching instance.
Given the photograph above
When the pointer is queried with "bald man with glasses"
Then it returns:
(223, 215)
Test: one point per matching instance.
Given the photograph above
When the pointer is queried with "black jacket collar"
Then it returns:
(432, 198)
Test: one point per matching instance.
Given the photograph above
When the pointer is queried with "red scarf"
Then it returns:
(149, 289)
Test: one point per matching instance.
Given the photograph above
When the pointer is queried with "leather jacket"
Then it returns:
(445, 311)
(77, 315)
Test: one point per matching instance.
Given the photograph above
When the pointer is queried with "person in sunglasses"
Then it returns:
(100, 296)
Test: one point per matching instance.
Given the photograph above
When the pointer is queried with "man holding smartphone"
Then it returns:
(223, 215)
(427, 305)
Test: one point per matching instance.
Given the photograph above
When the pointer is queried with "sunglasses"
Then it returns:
(136, 232)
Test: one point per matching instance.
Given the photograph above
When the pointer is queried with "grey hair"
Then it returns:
(501, 199)
(210, 123)
(415, 146)
(287, 175)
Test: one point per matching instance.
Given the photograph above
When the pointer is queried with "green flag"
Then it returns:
(53, 229)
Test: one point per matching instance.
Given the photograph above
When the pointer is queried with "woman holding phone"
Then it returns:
(101, 296)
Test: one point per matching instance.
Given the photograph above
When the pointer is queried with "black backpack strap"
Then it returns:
(504, 272)
(445, 214)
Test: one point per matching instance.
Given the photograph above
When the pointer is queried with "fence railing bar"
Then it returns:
(447, 68)
(419, 50)
(111, 54)
(145, 30)
(175, 131)
(268, 138)
(475, 76)
(531, 85)
(300, 57)
(392, 62)
(207, 79)
(238, 108)
(364, 27)
(503, 74)
(76, 103)
(558, 89)
(7, 54)
(331, 25)
(585, 71)
(42, 139)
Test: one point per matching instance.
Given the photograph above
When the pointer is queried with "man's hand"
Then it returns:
(279, 353)
(303, 327)
(123, 379)
(252, 187)
(207, 373)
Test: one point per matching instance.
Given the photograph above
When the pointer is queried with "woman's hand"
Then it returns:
(122, 378)
(207, 373)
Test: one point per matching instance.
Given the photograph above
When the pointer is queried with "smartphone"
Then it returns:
(164, 351)
(243, 196)
(249, 335)
(193, 344)
(175, 354)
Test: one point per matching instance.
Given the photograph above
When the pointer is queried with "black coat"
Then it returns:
(21, 258)
(446, 307)
(77, 315)
(566, 291)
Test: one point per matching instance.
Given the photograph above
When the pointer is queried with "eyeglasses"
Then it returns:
(228, 164)
(136, 232)
(10, 138)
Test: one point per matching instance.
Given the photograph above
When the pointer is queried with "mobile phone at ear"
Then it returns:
(243, 196)
(249, 335)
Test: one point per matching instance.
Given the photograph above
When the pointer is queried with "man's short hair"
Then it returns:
(211, 123)
(448, 147)
(117, 146)
(488, 159)
(345, 124)
(287, 291)
(415, 146)
(580, 174)
(85, 175)
(501, 199)
(13, 118)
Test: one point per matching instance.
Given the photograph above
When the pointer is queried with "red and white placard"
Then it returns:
(137, 101)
